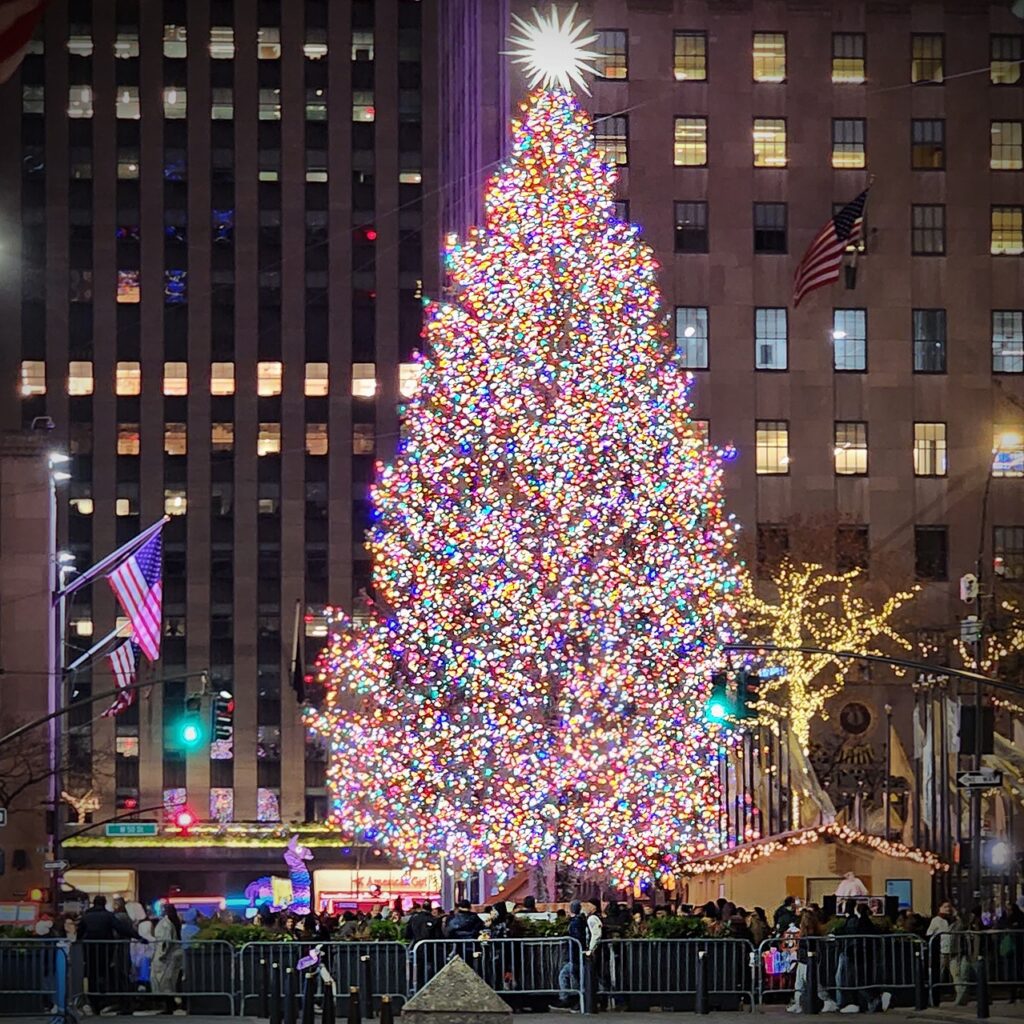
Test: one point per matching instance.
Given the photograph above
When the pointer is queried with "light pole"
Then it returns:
(888, 767)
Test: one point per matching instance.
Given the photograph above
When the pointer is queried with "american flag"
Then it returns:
(138, 583)
(824, 256)
(123, 660)
(18, 20)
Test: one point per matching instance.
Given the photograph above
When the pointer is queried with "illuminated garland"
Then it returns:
(722, 862)
(553, 569)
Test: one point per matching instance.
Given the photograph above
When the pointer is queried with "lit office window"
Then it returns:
(363, 438)
(928, 230)
(316, 104)
(849, 340)
(270, 105)
(175, 42)
(1008, 451)
(848, 149)
(1008, 552)
(364, 380)
(362, 44)
(317, 381)
(222, 104)
(222, 437)
(128, 108)
(79, 101)
(82, 627)
(769, 57)
(268, 43)
(268, 379)
(362, 105)
(690, 148)
(175, 378)
(126, 506)
(771, 438)
(926, 58)
(175, 102)
(409, 375)
(33, 377)
(690, 59)
(316, 438)
(1008, 341)
(222, 42)
(315, 46)
(928, 145)
(692, 337)
(222, 378)
(929, 449)
(1006, 152)
(769, 142)
(128, 440)
(175, 439)
(1006, 55)
(127, 163)
(1007, 231)
(611, 135)
(929, 340)
(268, 440)
(79, 41)
(128, 378)
(128, 290)
(126, 44)
(770, 339)
(80, 378)
(851, 449)
(81, 500)
(175, 501)
(848, 63)
(613, 46)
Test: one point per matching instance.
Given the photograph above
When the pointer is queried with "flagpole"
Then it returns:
(97, 646)
(295, 644)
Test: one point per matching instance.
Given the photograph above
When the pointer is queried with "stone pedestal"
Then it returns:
(456, 995)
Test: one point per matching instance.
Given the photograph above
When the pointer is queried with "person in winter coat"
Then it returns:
(142, 956)
(464, 924)
(169, 959)
(785, 915)
(106, 961)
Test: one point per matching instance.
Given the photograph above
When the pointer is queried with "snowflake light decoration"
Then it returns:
(554, 54)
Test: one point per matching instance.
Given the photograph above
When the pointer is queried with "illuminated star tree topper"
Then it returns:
(554, 54)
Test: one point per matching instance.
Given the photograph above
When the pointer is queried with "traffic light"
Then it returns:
(719, 707)
(184, 819)
(748, 692)
(223, 726)
(190, 731)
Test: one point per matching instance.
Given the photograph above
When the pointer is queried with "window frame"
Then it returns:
(847, 340)
(777, 427)
(618, 120)
(941, 37)
(862, 37)
(1019, 39)
(936, 529)
(913, 144)
(625, 54)
(785, 143)
(1005, 207)
(862, 428)
(1019, 146)
(916, 341)
(705, 231)
(676, 144)
(1016, 550)
(689, 34)
(914, 229)
(763, 230)
(1017, 338)
(754, 58)
(858, 123)
(771, 340)
(937, 452)
(703, 317)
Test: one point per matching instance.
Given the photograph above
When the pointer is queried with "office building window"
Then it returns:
(850, 340)
(362, 105)
(222, 378)
(317, 382)
(1008, 341)
(926, 58)
(222, 104)
(769, 57)
(929, 449)
(32, 99)
(128, 108)
(770, 339)
(128, 290)
(269, 105)
(79, 41)
(362, 44)
(851, 449)
(848, 62)
(691, 227)
(222, 42)
(80, 101)
(1006, 152)
(613, 46)
(620, 210)
(772, 546)
(1006, 55)
(127, 163)
(268, 440)
(848, 142)
(770, 228)
(268, 379)
(1007, 231)
(175, 42)
(692, 337)
(316, 438)
(126, 44)
(690, 59)
(316, 104)
(80, 378)
(930, 553)
(928, 230)
(364, 380)
(928, 145)
(33, 378)
(1008, 552)
(175, 102)
(409, 375)
(771, 440)
(175, 378)
(268, 43)
(690, 148)
(175, 439)
(611, 133)
(769, 142)
(853, 550)
(929, 340)
(175, 501)
(364, 440)
(315, 46)
(222, 437)
(128, 378)
(1008, 451)
(128, 440)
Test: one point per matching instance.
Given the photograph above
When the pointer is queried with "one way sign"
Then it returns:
(982, 778)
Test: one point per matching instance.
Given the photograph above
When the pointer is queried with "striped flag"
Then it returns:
(137, 582)
(123, 661)
(824, 256)
(18, 20)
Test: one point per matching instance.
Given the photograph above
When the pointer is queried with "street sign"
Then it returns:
(983, 778)
(55, 865)
(3, 816)
(131, 828)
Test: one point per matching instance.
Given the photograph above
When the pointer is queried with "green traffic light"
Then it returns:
(190, 733)
(717, 711)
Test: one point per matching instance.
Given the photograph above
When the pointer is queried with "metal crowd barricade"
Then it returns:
(671, 973)
(953, 956)
(375, 968)
(29, 976)
(527, 966)
(848, 968)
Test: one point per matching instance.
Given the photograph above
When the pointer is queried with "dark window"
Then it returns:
(928, 230)
(928, 145)
(1008, 552)
(929, 341)
(770, 227)
(930, 552)
(852, 550)
(691, 227)
(772, 546)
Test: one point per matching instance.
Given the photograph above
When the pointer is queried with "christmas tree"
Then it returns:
(553, 569)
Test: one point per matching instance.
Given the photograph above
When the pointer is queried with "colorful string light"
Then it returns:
(553, 569)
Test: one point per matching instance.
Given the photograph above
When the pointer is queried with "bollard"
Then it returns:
(275, 994)
(309, 999)
(981, 977)
(386, 1016)
(809, 1001)
(327, 1016)
(920, 992)
(366, 982)
(290, 998)
(589, 984)
(700, 999)
(355, 1015)
(261, 1007)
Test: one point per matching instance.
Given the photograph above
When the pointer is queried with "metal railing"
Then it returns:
(953, 963)
(33, 976)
